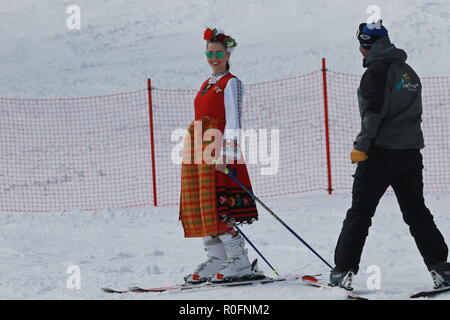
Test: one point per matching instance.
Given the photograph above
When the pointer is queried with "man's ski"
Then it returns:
(430, 293)
(313, 281)
(136, 289)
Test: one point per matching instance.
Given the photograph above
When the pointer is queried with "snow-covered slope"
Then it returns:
(121, 43)
(146, 247)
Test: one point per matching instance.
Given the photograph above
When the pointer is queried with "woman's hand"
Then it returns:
(221, 167)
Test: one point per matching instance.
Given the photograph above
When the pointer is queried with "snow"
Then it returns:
(120, 44)
(145, 246)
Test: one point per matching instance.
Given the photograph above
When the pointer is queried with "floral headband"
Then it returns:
(218, 35)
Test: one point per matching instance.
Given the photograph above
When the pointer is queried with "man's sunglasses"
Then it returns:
(218, 54)
(360, 29)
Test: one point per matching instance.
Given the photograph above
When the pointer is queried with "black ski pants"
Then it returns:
(401, 169)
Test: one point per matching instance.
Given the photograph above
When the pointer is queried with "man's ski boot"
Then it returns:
(216, 254)
(342, 279)
(237, 267)
(440, 273)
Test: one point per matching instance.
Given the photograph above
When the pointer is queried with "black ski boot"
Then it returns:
(341, 279)
(440, 272)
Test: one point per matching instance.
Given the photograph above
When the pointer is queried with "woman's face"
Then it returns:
(217, 64)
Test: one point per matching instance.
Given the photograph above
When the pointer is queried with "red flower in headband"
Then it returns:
(214, 35)
(208, 35)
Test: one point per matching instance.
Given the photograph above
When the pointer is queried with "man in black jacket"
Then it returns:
(387, 151)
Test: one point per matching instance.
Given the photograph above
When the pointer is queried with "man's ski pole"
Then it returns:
(231, 174)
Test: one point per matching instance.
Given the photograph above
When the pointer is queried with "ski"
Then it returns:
(430, 293)
(136, 289)
(181, 287)
(313, 281)
(110, 290)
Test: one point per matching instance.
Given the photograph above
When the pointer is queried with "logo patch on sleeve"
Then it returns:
(406, 83)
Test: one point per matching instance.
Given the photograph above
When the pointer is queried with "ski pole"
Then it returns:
(232, 174)
(253, 246)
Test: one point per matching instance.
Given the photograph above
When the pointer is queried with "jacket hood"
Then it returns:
(384, 50)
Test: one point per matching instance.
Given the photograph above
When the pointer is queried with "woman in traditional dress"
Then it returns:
(209, 198)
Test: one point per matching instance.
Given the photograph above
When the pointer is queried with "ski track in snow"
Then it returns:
(145, 246)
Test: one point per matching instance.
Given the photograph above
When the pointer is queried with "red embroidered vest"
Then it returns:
(212, 104)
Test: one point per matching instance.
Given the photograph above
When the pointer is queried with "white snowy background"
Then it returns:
(119, 45)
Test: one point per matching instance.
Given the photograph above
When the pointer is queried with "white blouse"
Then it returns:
(233, 97)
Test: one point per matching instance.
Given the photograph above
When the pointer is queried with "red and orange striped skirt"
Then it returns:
(207, 194)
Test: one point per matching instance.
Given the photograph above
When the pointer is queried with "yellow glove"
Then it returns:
(358, 156)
